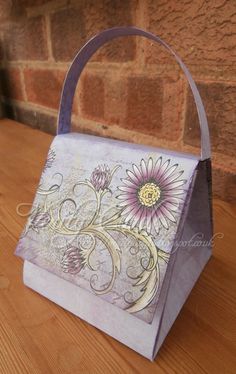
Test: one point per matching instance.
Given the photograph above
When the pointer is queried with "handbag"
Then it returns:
(119, 232)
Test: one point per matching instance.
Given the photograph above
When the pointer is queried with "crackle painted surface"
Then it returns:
(105, 217)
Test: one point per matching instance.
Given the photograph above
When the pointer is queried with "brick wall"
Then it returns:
(131, 89)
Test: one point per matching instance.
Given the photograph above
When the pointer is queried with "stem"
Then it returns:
(146, 240)
(113, 249)
(111, 219)
(97, 211)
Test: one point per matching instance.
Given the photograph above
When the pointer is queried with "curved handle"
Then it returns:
(82, 57)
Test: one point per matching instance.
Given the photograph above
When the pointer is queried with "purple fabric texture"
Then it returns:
(111, 234)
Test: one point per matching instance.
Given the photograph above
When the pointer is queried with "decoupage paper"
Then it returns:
(105, 217)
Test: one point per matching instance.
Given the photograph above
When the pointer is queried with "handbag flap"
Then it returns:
(106, 216)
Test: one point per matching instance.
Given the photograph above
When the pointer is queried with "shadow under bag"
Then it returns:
(119, 233)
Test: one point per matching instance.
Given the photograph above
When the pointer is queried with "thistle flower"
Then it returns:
(39, 220)
(101, 177)
(72, 260)
(50, 159)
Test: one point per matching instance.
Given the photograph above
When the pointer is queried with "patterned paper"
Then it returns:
(105, 218)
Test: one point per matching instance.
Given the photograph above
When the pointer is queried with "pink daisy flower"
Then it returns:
(151, 193)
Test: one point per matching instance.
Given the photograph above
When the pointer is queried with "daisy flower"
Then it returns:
(151, 193)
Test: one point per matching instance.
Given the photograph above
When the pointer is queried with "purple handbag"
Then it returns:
(118, 232)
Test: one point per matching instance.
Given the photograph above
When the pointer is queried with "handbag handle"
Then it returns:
(82, 57)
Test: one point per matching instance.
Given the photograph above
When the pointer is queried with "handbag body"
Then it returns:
(118, 232)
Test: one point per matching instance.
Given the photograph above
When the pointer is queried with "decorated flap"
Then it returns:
(105, 217)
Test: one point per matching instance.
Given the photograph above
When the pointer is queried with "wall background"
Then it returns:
(131, 89)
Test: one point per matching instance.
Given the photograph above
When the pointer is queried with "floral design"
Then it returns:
(50, 159)
(148, 197)
(101, 177)
(150, 194)
(72, 261)
(39, 220)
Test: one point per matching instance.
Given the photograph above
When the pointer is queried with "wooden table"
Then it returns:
(37, 336)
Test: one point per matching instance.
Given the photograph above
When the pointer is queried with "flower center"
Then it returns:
(149, 194)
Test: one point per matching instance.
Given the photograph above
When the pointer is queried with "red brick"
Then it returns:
(11, 11)
(92, 97)
(67, 33)
(224, 184)
(173, 109)
(44, 86)
(70, 28)
(144, 104)
(200, 31)
(154, 106)
(219, 100)
(31, 3)
(5, 10)
(11, 83)
(115, 99)
(141, 103)
(26, 40)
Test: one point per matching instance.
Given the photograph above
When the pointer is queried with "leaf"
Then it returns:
(147, 240)
(149, 291)
(149, 278)
(142, 278)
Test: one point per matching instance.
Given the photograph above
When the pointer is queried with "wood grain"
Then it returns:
(37, 336)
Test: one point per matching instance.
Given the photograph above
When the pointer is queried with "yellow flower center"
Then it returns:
(149, 194)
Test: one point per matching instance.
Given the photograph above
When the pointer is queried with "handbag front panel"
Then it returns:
(105, 217)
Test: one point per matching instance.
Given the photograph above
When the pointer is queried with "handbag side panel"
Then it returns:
(194, 250)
